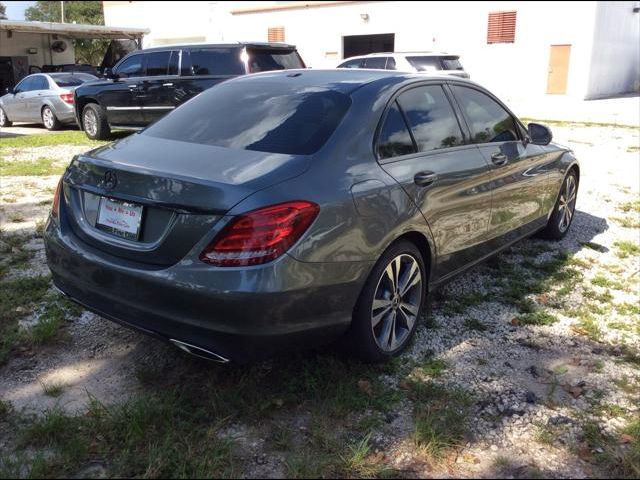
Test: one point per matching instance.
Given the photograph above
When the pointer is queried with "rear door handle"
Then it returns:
(499, 158)
(132, 86)
(425, 178)
(167, 84)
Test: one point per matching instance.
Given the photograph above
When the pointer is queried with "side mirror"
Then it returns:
(539, 134)
(108, 73)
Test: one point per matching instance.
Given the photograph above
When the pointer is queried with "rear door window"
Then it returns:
(424, 63)
(40, 83)
(158, 64)
(351, 63)
(262, 60)
(131, 67)
(273, 117)
(375, 62)
(487, 120)
(394, 138)
(431, 118)
(216, 61)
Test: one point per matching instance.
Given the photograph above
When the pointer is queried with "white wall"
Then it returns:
(19, 42)
(510, 70)
(615, 61)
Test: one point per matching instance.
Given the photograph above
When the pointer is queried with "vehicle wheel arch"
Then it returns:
(424, 243)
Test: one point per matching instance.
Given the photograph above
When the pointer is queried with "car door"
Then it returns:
(519, 175)
(15, 106)
(34, 98)
(446, 177)
(157, 96)
(120, 98)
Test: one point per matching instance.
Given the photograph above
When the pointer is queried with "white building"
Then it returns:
(578, 49)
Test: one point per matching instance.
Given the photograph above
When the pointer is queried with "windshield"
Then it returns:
(73, 80)
(267, 116)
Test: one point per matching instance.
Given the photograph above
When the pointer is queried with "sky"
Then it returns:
(15, 10)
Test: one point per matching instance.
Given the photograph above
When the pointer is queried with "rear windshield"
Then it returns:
(262, 60)
(73, 80)
(213, 61)
(451, 63)
(424, 64)
(267, 116)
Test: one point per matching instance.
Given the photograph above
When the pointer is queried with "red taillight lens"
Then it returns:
(67, 97)
(261, 235)
(55, 205)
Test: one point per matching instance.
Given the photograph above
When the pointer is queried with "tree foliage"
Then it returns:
(90, 12)
(3, 11)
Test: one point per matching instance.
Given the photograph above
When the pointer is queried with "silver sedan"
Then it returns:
(42, 98)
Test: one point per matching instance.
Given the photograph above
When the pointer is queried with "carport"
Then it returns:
(35, 44)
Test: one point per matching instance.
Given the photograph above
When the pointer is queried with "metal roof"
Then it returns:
(73, 30)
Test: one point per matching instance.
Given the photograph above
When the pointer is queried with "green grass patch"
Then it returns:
(632, 206)
(626, 249)
(627, 222)
(70, 137)
(539, 317)
(602, 281)
(433, 367)
(53, 389)
(474, 324)
(40, 167)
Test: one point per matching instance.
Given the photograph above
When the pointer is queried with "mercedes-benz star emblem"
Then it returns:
(110, 180)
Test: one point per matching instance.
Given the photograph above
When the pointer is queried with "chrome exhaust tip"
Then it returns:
(199, 351)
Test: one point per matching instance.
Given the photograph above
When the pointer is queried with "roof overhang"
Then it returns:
(73, 30)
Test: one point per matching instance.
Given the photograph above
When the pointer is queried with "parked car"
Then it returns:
(146, 84)
(42, 98)
(421, 62)
(318, 204)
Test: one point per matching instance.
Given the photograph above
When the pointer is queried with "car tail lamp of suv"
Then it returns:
(260, 236)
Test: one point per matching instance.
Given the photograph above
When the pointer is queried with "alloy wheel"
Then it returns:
(396, 302)
(47, 117)
(2, 117)
(90, 123)
(567, 203)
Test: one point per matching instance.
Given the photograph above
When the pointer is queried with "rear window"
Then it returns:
(424, 64)
(451, 63)
(262, 116)
(262, 60)
(213, 61)
(73, 80)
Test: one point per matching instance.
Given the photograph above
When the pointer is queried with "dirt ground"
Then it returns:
(546, 364)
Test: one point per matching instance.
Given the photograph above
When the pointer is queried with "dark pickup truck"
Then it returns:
(147, 84)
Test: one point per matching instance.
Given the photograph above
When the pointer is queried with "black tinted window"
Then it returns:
(39, 83)
(216, 61)
(73, 80)
(394, 139)
(157, 63)
(174, 62)
(131, 67)
(431, 118)
(262, 116)
(424, 64)
(451, 63)
(351, 64)
(391, 63)
(377, 62)
(488, 121)
(262, 60)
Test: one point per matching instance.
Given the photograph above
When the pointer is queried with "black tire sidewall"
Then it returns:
(360, 335)
(56, 122)
(102, 127)
(552, 230)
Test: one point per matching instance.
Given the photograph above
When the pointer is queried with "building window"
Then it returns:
(502, 27)
(276, 34)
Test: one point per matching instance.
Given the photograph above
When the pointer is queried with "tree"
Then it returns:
(87, 50)
(3, 11)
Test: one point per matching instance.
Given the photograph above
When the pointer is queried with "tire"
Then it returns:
(4, 120)
(49, 119)
(383, 330)
(564, 209)
(94, 122)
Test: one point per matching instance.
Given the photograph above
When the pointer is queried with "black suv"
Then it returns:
(146, 84)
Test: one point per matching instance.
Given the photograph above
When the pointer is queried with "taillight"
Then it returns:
(55, 205)
(67, 97)
(261, 235)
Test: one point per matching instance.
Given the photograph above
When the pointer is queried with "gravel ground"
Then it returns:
(533, 387)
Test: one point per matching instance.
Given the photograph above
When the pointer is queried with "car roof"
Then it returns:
(388, 54)
(220, 45)
(341, 80)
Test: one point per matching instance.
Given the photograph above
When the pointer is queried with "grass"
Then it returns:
(53, 389)
(626, 249)
(632, 206)
(588, 326)
(627, 222)
(474, 324)
(433, 368)
(460, 304)
(601, 281)
(68, 137)
(628, 309)
(40, 167)
(5, 407)
(539, 317)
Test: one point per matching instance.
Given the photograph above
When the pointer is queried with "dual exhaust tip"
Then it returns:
(199, 351)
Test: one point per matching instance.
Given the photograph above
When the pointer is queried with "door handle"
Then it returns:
(167, 84)
(425, 178)
(132, 86)
(499, 158)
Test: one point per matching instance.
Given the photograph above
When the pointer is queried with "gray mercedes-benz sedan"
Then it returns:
(45, 98)
(283, 208)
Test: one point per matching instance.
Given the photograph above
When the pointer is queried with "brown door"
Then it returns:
(558, 68)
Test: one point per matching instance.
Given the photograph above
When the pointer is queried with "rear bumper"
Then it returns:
(239, 313)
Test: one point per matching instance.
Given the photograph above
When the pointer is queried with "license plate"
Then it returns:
(119, 218)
